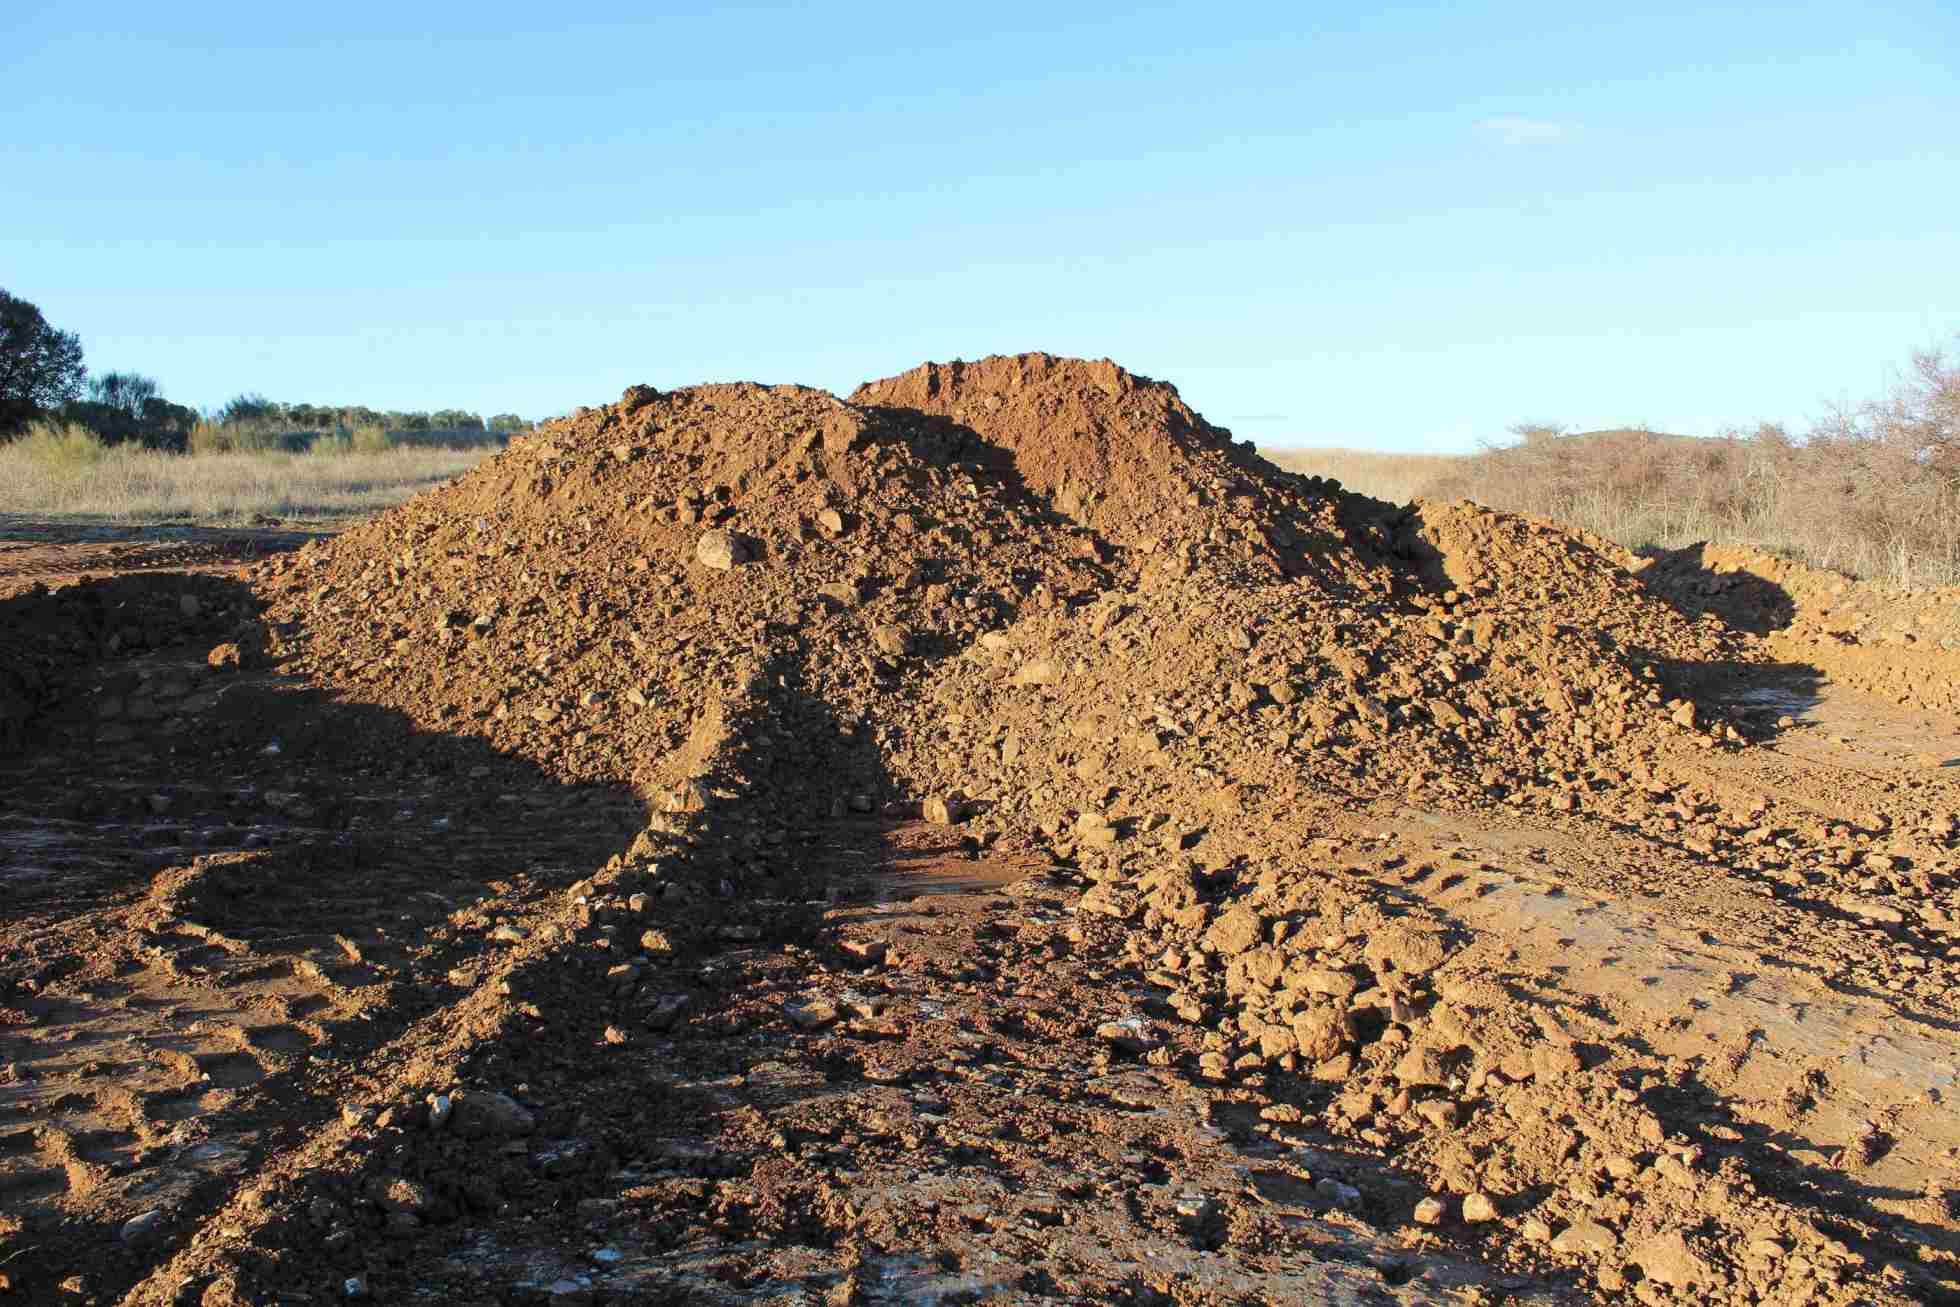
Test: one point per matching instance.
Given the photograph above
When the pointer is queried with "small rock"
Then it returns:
(667, 1009)
(483, 1114)
(394, 1193)
(721, 550)
(1585, 1236)
(1095, 830)
(1337, 1193)
(1041, 672)
(1409, 949)
(869, 951)
(140, 1230)
(1326, 980)
(1667, 1259)
(891, 640)
(1439, 1112)
(1421, 1065)
(1882, 913)
(1322, 1033)
(811, 1014)
(1478, 1208)
(1236, 932)
(1125, 1038)
(1430, 1211)
(944, 809)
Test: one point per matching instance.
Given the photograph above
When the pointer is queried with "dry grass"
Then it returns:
(1397, 478)
(1869, 509)
(53, 474)
(1873, 492)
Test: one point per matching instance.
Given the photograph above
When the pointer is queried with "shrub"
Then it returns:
(59, 446)
(1873, 491)
(330, 444)
(371, 438)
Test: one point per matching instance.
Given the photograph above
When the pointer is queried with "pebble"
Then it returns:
(811, 1014)
(721, 550)
(139, 1230)
(483, 1114)
(1585, 1236)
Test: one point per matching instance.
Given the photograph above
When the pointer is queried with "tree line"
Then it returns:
(43, 378)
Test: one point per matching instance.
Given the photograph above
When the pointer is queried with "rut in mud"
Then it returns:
(995, 838)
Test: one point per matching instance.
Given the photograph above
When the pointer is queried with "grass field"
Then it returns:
(55, 475)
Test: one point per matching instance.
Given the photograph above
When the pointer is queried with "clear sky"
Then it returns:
(1401, 226)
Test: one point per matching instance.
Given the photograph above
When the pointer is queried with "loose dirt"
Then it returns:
(993, 839)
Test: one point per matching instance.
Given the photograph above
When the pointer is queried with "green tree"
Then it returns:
(129, 393)
(127, 406)
(40, 368)
(244, 408)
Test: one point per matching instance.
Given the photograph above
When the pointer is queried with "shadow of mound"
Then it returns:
(1744, 600)
(1761, 699)
(214, 876)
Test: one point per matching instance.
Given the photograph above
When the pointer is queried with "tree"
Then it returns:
(1538, 433)
(39, 367)
(129, 393)
(244, 408)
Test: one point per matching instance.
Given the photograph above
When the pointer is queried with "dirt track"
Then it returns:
(1338, 904)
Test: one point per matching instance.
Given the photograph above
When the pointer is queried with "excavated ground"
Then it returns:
(994, 839)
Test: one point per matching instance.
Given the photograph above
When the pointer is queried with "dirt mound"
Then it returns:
(1045, 607)
(1880, 639)
(1128, 457)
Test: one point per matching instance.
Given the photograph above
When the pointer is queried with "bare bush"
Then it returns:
(1872, 491)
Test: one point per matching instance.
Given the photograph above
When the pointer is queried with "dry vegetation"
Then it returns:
(66, 472)
(1396, 478)
(1874, 491)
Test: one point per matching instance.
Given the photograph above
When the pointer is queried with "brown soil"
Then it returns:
(995, 839)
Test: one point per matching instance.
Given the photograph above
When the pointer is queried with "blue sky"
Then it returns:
(1401, 226)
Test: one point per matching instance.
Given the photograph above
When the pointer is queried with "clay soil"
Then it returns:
(993, 839)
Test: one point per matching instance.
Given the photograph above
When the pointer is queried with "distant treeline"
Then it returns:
(43, 382)
(252, 422)
(347, 417)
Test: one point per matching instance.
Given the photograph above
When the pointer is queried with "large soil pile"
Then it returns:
(1043, 601)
